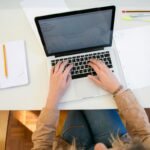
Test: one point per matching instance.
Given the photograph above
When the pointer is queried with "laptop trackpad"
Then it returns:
(70, 94)
(84, 88)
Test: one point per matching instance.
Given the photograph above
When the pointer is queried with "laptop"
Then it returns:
(79, 36)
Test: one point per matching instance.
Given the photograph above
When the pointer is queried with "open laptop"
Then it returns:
(77, 37)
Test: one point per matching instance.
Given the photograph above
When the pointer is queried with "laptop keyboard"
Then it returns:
(80, 67)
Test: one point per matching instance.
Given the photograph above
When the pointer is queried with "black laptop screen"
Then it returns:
(76, 31)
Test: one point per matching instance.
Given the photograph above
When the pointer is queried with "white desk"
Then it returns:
(14, 25)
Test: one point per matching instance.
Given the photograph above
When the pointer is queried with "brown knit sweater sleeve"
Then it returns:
(137, 122)
(45, 133)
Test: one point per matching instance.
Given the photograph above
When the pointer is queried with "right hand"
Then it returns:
(105, 78)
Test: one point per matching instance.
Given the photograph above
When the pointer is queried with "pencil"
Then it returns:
(5, 61)
(136, 11)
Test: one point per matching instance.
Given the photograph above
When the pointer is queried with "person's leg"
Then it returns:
(75, 127)
(103, 123)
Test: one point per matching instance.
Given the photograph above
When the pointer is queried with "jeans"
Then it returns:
(89, 127)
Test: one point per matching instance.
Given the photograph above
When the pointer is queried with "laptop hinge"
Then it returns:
(79, 52)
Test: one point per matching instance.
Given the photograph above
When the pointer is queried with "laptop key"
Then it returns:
(110, 66)
(53, 64)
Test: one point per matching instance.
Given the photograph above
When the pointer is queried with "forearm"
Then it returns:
(46, 129)
(136, 119)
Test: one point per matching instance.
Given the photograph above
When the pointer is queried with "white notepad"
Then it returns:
(133, 46)
(16, 65)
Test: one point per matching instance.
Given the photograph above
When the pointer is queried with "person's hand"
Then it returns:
(59, 82)
(105, 78)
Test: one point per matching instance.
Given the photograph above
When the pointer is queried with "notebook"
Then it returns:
(15, 63)
(133, 46)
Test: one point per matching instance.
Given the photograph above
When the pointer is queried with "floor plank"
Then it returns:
(3, 128)
(148, 113)
(18, 136)
(27, 118)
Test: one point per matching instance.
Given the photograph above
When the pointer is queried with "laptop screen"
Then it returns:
(76, 31)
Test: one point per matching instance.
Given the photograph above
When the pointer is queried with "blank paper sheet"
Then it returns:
(133, 46)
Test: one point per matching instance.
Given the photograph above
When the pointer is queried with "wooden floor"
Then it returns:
(148, 113)
(3, 128)
(19, 136)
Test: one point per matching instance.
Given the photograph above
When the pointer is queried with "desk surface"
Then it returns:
(14, 26)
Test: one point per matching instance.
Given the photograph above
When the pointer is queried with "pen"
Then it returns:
(5, 61)
(135, 11)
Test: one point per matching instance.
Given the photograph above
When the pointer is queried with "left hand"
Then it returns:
(59, 82)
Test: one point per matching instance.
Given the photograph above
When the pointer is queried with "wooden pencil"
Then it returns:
(5, 61)
(135, 11)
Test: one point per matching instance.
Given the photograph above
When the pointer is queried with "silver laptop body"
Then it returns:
(77, 37)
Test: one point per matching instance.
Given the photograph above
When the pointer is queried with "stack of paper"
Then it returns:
(133, 47)
(13, 64)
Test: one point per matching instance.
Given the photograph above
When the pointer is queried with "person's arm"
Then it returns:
(133, 114)
(136, 119)
(45, 133)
